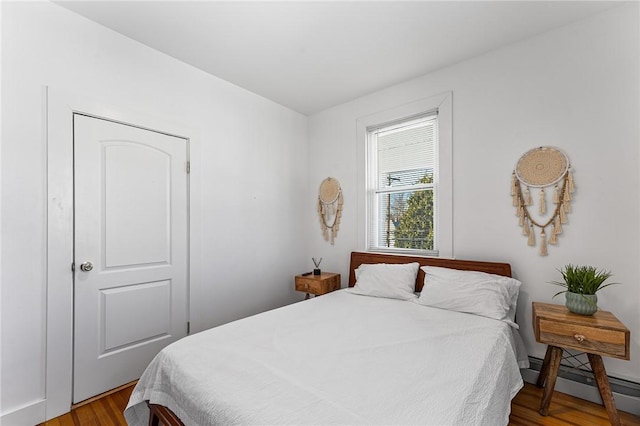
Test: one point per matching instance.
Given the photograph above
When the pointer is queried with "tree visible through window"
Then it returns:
(414, 219)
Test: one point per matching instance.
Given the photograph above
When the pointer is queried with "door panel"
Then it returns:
(131, 223)
(122, 325)
(137, 205)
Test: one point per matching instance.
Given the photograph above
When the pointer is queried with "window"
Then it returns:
(402, 168)
(406, 187)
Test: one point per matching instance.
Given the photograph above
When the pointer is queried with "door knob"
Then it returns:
(86, 267)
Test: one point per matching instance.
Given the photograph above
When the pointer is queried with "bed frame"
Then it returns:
(160, 415)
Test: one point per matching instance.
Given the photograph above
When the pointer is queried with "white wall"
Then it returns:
(576, 88)
(250, 157)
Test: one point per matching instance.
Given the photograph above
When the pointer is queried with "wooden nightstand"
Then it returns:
(318, 284)
(596, 335)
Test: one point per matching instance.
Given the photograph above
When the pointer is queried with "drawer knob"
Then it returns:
(579, 337)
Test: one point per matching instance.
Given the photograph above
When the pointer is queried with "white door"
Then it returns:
(131, 251)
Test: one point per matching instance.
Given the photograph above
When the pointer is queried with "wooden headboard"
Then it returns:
(358, 258)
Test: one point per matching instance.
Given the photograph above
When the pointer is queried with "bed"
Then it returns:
(352, 356)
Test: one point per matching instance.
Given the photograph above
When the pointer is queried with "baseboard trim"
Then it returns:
(630, 404)
(29, 414)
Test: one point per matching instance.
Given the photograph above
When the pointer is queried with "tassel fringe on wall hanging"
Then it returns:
(330, 208)
(542, 168)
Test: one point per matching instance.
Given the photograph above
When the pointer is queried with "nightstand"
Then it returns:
(317, 284)
(596, 335)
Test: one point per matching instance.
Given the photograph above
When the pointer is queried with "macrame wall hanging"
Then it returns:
(330, 207)
(542, 168)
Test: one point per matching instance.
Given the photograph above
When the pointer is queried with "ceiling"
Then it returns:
(310, 56)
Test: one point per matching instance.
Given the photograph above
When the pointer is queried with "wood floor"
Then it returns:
(564, 410)
(105, 411)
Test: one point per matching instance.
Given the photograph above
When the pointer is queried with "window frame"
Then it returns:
(375, 189)
(442, 186)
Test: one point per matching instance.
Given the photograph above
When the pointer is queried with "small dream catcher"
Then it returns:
(542, 168)
(330, 207)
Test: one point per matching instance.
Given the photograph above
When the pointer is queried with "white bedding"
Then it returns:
(338, 359)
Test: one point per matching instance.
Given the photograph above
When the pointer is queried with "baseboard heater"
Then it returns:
(572, 379)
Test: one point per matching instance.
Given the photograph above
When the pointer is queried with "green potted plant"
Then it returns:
(582, 283)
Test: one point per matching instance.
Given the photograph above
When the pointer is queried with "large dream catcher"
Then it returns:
(542, 168)
(330, 207)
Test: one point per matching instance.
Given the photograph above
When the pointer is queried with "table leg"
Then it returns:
(544, 369)
(555, 356)
(605, 389)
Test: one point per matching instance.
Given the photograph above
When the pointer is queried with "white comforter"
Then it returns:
(338, 359)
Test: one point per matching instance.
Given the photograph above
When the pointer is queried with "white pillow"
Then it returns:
(479, 293)
(395, 281)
